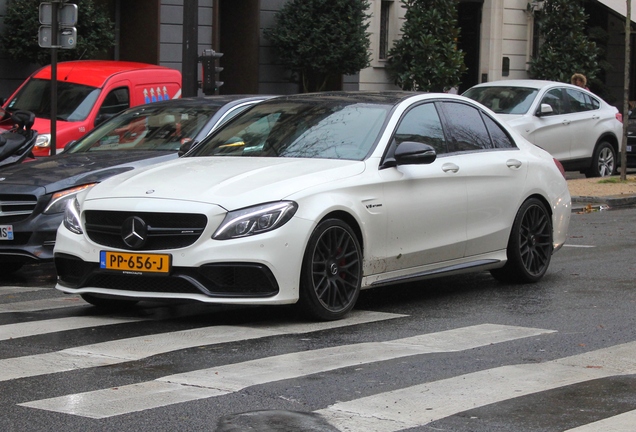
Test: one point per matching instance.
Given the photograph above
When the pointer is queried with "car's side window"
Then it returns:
(465, 127)
(554, 98)
(578, 101)
(422, 124)
(499, 137)
(116, 101)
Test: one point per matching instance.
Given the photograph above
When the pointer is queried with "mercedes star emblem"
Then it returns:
(134, 232)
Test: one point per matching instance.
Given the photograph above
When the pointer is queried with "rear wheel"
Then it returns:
(603, 161)
(530, 245)
(107, 302)
(331, 271)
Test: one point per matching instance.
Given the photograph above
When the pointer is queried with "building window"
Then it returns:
(385, 13)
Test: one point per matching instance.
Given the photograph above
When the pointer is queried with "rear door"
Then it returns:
(494, 170)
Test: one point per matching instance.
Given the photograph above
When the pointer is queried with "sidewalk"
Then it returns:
(599, 193)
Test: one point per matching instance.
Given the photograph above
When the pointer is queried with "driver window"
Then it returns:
(554, 98)
(115, 102)
(422, 124)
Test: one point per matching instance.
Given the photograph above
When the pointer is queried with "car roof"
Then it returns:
(92, 72)
(529, 83)
(391, 97)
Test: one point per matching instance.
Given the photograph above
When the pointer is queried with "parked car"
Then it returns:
(311, 198)
(33, 195)
(630, 148)
(574, 125)
(89, 92)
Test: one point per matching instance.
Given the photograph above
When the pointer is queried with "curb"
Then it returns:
(580, 203)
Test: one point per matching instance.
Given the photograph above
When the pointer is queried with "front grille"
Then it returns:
(15, 208)
(212, 280)
(165, 230)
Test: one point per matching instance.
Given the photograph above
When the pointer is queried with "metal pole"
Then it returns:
(190, 47)
(628, 41)
(54, 44)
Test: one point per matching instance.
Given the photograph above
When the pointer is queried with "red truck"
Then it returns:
(89, 92)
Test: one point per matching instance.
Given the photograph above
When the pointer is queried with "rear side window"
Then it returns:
(579, 101)
(499, 137)
(466, 128)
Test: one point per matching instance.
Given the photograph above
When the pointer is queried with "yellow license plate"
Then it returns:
(135, 262)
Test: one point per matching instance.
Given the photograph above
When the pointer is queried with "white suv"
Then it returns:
(573, 124)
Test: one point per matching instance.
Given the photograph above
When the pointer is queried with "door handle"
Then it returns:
(513, 163)
(450, 167)
(566, 122)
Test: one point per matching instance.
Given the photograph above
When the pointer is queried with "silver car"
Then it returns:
(574, 125)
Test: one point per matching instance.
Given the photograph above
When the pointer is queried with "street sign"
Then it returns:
(66, 37)
(66, 14)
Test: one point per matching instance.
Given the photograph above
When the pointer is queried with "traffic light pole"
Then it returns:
(54, 44)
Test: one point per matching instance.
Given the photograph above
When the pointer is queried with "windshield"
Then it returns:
(74, 101)
(330, 129)
(162, 127)
(503, 100)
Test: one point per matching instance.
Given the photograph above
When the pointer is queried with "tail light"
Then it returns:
(619, 117)
(559, 166)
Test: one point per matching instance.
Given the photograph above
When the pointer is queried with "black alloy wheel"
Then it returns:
(530, 245)
(331, 271)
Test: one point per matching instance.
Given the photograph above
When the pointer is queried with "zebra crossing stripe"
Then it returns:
(11, 290)
(34, 328)
(226, 379)
(620, 423)
(422, 404)
(43, 304)
(136, 348)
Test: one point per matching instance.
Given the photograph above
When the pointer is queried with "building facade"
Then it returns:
(498, 38)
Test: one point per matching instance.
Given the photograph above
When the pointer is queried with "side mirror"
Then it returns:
(544, 109)
(3, 114)
(414, 153)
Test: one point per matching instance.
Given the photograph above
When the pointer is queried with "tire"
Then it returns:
(108, 303)
(530, 245)
(331, 272)
(603, 161)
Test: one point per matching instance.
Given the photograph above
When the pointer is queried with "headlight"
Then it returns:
(72, 218)
(255, 220)
(43, 140)
(60, 199)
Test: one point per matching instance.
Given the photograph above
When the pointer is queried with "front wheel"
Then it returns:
(530, 245)
(603, 161)
(331, 271)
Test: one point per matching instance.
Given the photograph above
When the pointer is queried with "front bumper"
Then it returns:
(259, 269)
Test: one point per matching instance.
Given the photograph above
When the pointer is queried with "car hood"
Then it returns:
(55, 173)
(230, 182)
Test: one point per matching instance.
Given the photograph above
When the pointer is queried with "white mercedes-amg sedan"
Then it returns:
(310, 198)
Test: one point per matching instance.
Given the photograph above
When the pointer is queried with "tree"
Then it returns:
(566, 49)
(19, 40)
(321, 39)
(426, 58)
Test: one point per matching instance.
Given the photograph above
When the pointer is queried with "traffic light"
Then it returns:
(210, 83)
